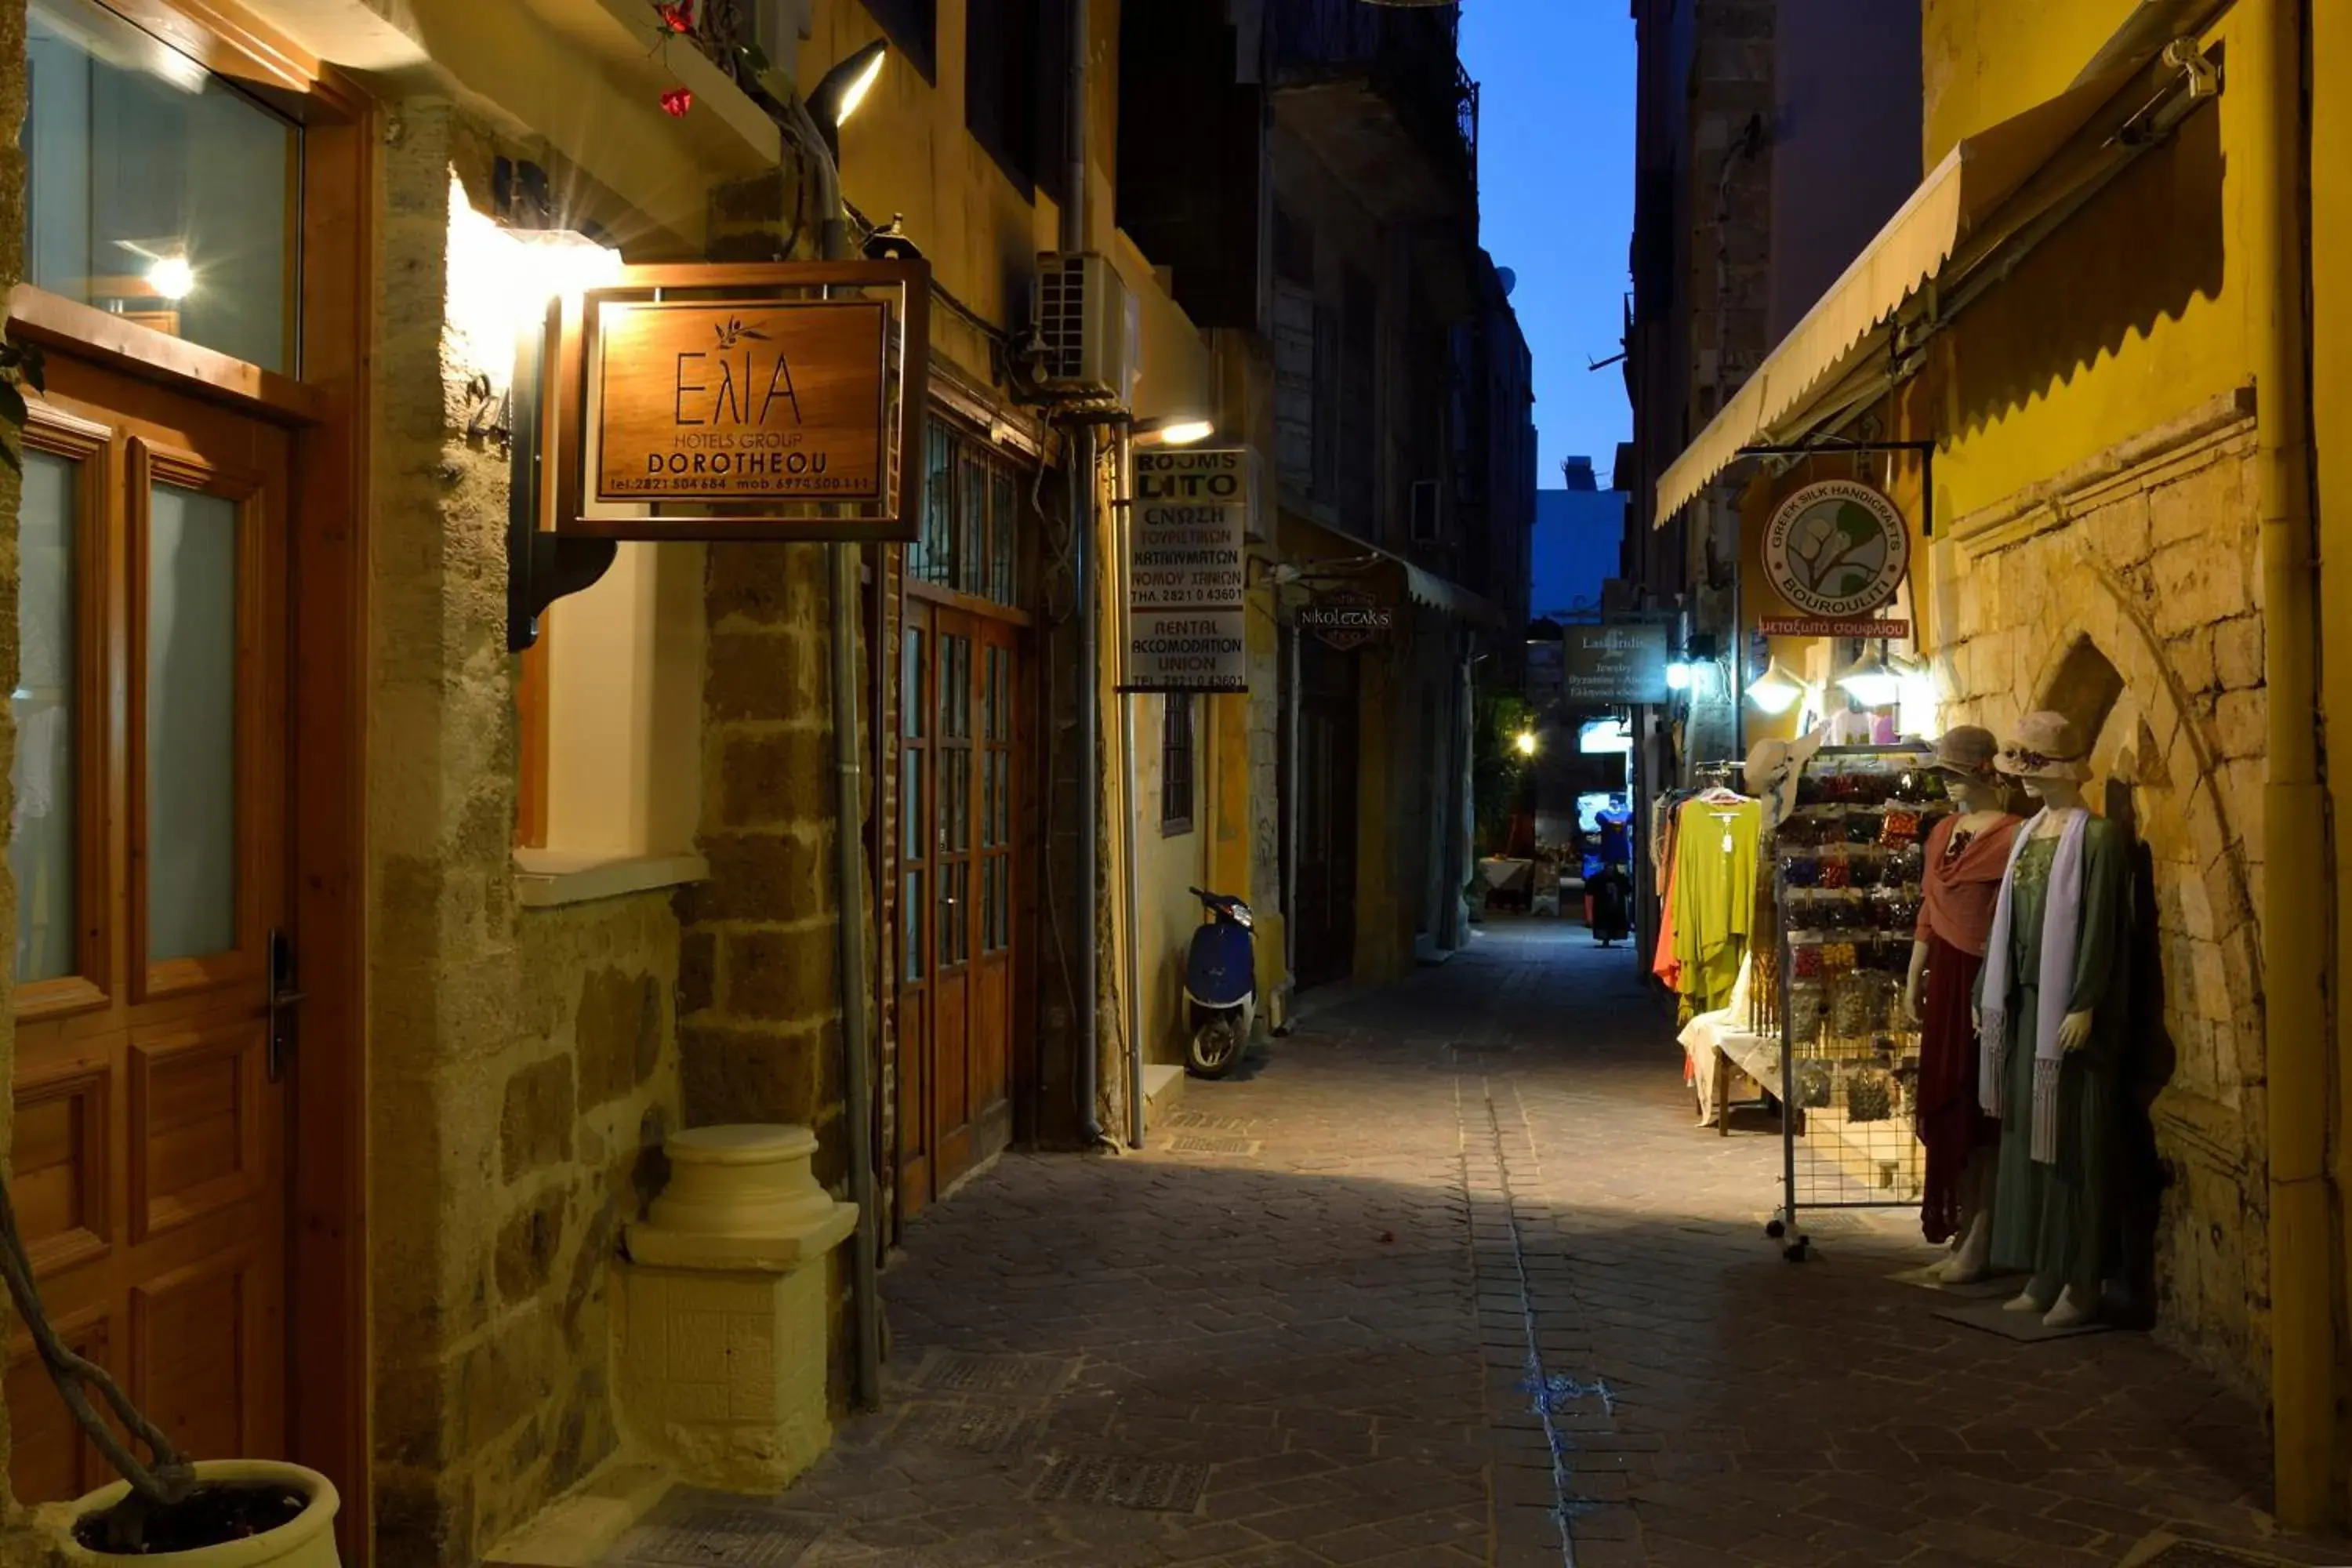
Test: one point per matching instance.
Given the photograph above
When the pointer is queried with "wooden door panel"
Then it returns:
(955, 818)
(205, 1346)
(49, 1454)
(151, 1158)
(57, 1164)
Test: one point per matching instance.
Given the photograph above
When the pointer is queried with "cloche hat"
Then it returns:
(2047, 746)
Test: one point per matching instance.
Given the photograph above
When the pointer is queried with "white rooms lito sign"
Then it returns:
(1187, 565)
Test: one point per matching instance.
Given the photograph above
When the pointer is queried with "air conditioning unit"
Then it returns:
(1089, 326)
(1428, 510)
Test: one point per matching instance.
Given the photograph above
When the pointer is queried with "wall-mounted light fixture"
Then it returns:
(1776, 690)
(1872, 682)
(1172, 430)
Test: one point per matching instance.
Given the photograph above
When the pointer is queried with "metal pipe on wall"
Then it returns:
(1123, 521)
(1084, 573)
(849, 871)
(2297, 913)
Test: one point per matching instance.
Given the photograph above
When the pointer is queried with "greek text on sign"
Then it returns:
(1837, 550)
(1188, 567)
(741, 401)
(1799, 626)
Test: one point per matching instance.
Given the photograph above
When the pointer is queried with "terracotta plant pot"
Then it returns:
(308, 1541)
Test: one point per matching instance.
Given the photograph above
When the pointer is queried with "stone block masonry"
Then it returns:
(2126, 594)
(760, 998)
(518, 1062)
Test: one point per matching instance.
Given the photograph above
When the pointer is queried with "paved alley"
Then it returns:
(1448, 1272)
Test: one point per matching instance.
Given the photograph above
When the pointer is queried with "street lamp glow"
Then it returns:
(1524, 743)
(844, 87)
(1173, 432)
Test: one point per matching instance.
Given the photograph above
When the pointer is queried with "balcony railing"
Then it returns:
(1409, 54)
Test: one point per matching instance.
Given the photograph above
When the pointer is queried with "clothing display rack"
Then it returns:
(1845, 869)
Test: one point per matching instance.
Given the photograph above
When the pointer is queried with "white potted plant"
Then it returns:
(207, 1513)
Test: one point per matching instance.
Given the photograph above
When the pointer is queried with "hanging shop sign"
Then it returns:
(772, 401)
(1612, 664)
(1800, 626)
(1187, 568)
(1345, 619)
(1837, 550)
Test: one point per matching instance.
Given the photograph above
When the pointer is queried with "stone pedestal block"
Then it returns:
(721, 1325)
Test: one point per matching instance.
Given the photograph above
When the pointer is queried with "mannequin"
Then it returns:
(1966, 856)
(2048, 1068)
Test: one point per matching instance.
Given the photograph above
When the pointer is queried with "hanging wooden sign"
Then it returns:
(770, 401)
(1346, 619)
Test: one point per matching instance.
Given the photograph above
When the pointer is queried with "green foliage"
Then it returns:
(1497, 769)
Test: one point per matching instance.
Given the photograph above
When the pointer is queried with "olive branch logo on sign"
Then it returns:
(1839, 549)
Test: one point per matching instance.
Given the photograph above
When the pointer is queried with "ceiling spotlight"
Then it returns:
(172, 278)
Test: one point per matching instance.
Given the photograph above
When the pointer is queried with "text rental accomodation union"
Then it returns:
(1188, 564)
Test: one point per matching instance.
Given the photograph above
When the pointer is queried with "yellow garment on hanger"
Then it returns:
(1715, 893)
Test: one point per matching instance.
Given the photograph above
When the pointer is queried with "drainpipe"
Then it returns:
(849, 871)
(1084, 572)
(2296, 908)
(1123, 463)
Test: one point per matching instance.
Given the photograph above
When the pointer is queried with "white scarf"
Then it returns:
(2061, 928)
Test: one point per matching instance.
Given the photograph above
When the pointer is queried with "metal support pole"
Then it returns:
(1123, 522)
(849, 870)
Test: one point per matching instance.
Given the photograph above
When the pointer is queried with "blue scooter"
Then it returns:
(1220, 987)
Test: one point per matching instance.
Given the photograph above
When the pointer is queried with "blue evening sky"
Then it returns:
(1555, 179)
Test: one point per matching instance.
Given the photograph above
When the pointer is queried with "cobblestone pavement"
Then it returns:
(1451, 1278)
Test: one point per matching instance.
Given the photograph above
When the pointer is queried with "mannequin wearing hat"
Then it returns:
(1966, 856)
(2052, 1012)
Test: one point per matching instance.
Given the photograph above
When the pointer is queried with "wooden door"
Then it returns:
(915, 836)
(149, 1162)
(988, 1050)
(1326, 814)
(954, 801)
(960, 844)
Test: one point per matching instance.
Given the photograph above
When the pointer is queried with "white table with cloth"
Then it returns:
(1715, 1043)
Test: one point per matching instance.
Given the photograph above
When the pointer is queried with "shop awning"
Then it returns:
(1963, 197)
(1325, 545)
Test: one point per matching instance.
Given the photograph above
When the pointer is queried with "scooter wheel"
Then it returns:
(1215, 1048)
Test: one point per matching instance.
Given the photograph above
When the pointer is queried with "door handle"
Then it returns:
(283, 997)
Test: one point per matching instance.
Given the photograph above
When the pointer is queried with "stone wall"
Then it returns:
(2127, 592)
(759, 994)
(517, 1060)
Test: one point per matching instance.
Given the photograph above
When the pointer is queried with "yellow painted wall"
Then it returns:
(625, 707)
(2331, 382)
(2126, 317)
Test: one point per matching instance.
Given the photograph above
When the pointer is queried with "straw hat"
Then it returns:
(1967, 751)
(1772, 770)
(2047, 746)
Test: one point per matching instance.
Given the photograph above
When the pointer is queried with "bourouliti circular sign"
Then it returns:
(1837, 549)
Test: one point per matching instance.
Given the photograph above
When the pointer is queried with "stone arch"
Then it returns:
(2105, 652)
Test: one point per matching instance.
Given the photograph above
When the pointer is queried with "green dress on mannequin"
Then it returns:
(2053, 1220)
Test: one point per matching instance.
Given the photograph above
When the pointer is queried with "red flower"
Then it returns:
(677, 102)
(677, 16)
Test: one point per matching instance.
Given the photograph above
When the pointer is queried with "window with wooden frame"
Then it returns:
(1176, 764)
(971, 539)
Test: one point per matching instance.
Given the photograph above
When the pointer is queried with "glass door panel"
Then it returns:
(191, 730)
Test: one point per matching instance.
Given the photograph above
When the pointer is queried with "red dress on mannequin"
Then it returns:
(1960, 887)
